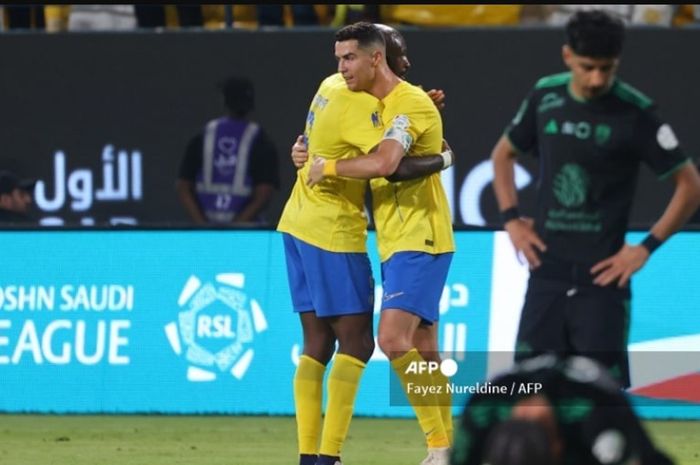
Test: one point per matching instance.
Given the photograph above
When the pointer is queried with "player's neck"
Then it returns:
(577, 92)
(384, 83)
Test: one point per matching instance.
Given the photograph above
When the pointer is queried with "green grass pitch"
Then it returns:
(230, 440)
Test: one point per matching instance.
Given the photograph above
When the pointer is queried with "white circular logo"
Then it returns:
(666, 138)
(215, 327)
(448, 367)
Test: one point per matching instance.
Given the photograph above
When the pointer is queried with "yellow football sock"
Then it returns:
(308, 396)
(426, 406)
(445, 403)
(343, 381)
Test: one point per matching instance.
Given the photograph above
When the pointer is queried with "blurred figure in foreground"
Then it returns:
(553, 411)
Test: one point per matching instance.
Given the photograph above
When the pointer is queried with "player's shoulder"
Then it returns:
(415, 92)
(334, 89)
(409, 96)
(553, 81)
(332, 83)
(631, 95)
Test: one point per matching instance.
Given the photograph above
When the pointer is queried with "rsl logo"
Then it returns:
(216, 327)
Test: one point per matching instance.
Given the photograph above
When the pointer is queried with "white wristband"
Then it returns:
(447, 159)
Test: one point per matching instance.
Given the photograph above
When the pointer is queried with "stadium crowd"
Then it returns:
(81, 17)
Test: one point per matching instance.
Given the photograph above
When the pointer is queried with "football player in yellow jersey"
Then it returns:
(414, 229)
(329, 274)
(328, 269)
(425, 338)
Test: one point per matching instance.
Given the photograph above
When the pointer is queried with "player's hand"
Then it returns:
(526, 241)
(621, 266)
(299, 153)
(438, 98)
(316, 171)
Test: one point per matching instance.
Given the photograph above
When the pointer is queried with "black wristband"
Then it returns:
(508, 214)
(651, 243)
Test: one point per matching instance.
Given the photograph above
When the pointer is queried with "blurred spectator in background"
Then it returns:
(687, 15)
(56, 17)
(156, 16)
(348, 14)
(121, 17)
(80, 17)
(101, 18)
(218, 16)
(253, 16)
(649, 15)
(229, 172)
(451, 15)
(15, 198)
(22, 17)
(273, 15)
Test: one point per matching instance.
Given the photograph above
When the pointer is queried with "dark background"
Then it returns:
(151, 91)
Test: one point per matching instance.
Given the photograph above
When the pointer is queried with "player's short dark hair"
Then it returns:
(518, 442)
(366, 34)
(394, 43)
(595, 34)
(239, 95)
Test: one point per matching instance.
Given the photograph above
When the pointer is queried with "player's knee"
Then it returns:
(360, 346)
(392, 342)
(428, 348)
(367, 348)
(320, 348)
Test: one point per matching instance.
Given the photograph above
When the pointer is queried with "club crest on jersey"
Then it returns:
(602, 133)
(375, 119)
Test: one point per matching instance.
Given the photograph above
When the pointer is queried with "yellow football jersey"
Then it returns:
(412, 215)
(340, 124)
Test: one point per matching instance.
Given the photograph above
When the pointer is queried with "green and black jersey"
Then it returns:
(594, 418)
(589, 154)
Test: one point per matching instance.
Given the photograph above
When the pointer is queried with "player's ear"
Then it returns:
(377, 57)
(567, 54)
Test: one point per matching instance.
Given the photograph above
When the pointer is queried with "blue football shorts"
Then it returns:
(329, 283)
(414, 281)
